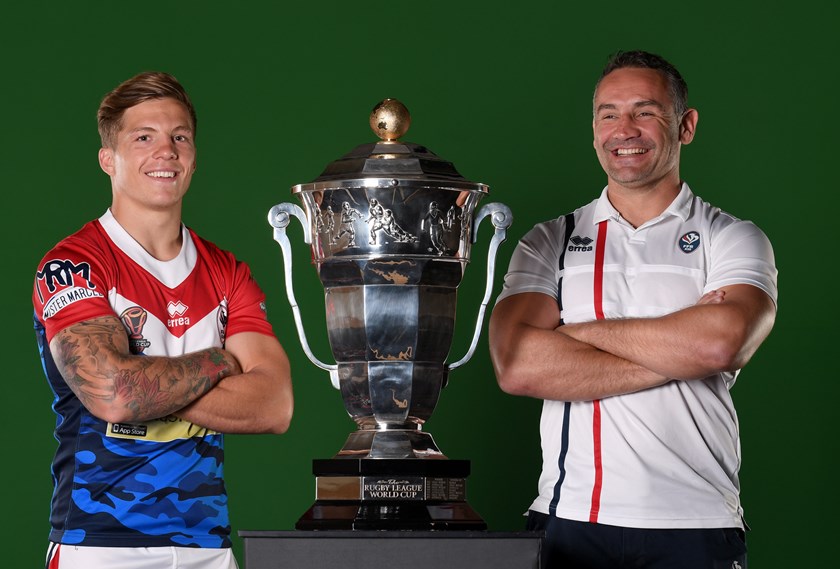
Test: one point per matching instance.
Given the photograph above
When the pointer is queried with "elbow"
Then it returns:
(270, 424)
(115, 413)
(510, 380)
(108, 415)
(280, 426)
(501, 366)
(718, 362)
(731, 344)
(276, 405)
(513, 387)
(282, 419)
(727, 352)
(511, 375)
(732, 358)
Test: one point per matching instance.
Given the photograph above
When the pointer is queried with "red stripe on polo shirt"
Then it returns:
(598, 290)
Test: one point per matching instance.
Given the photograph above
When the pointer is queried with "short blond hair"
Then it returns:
(140, 88)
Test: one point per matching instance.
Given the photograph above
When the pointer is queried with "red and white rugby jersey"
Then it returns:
(159, 482)
(666, 457)
(169, 308)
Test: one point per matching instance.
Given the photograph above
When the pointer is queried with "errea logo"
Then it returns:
(578, 243)
(176, 312)
(176, 308)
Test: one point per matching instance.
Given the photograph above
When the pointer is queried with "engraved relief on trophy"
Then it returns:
(344, 235)
(382, 219)
(437, 225)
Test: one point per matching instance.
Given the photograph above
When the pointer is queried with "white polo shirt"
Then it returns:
(666, 457)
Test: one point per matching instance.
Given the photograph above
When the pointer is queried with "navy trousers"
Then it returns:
(582, 545)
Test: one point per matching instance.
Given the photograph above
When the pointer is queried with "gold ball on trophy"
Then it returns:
(389, 120)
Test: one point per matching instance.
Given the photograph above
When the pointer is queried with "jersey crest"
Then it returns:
(134, 318)
(222, 320)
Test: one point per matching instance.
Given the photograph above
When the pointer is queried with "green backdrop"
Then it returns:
(503, 91)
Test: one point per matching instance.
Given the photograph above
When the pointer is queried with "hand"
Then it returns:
(712, 297)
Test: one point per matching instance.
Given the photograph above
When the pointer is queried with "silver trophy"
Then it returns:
(391, 226)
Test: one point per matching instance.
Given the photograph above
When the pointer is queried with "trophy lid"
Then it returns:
(371, 164)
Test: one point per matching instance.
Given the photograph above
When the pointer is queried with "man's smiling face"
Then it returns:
(153, 160)
(637, 137)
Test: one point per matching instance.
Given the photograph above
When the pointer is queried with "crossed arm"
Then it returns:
(240, 384)
(579, 362)
(258, 400)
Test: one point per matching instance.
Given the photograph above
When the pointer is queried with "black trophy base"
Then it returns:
(371, 515)
(390, 494)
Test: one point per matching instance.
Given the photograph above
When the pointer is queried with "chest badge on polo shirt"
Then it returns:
(578, 243)
(689, 242)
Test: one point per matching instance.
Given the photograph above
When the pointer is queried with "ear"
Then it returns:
(594, 139)
(106, 161)
(688, 126)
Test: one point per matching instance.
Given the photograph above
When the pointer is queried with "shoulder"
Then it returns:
(728, 225)
(718, 217)
(721, 223)
(75, 253)
(222, 264)
(724, 227)
(75, 273)
(558, 230)
(210, 251)
(89, 236)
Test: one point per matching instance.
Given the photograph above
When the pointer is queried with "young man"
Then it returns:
(631, 317)
(154, 342)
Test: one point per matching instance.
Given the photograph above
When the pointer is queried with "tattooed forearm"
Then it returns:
(94, 359)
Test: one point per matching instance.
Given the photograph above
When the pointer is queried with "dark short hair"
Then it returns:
(677, 87)
(140, 88)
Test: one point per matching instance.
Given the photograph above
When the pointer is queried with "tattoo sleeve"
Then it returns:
(94, 359)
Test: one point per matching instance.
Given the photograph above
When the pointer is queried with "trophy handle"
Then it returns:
(279, 218)
(501, 217)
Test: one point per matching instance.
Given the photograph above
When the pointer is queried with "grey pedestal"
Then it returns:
(391, 549)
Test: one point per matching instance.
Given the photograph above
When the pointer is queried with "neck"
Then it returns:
(159, 233)
(640, 205)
